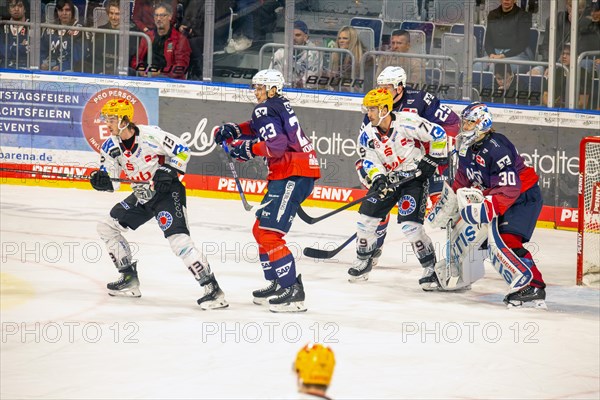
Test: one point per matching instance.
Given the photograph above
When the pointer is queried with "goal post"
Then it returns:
(588, 229)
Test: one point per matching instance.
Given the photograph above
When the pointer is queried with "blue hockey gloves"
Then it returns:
(227, 133)
(243, 151)
(163, 178)
(100, 180)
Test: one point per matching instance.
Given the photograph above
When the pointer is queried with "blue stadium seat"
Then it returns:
(478, 31)
(426, 26)
(375, 24)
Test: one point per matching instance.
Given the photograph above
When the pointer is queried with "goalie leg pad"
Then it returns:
(184, 248)
(515, 271)
(444, 209)
(110, 231)
(463, 263)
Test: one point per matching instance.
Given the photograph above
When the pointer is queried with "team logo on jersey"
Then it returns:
(165, 219)
(260, 112)
(94, 130)
(479, 160)
(407, 205)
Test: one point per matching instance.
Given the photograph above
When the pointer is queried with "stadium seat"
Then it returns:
(375, 24)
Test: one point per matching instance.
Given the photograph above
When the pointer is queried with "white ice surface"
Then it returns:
(63, 337)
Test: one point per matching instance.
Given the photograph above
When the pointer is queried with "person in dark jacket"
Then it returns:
(507, 35)
(170, 49)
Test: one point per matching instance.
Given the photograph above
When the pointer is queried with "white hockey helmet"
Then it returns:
(476, 121)
(395, 76)
(269, 78)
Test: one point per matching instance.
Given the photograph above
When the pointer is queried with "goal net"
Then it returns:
(588, 237)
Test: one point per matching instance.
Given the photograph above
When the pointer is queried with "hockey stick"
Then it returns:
(325, 254)
(63, 175)
(313, 220)
(451, 259)
(247, 206)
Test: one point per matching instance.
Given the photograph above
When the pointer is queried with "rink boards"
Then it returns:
(50, 124)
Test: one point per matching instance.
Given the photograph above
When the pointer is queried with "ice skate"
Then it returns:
(532, 297)
(429, 281)
(262, 296)
(375, 257)
(360, 268)
(290, 299)
(128, 285)
(213, 295)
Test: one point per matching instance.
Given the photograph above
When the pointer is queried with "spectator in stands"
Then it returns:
(415, 67)
(170, 49)
(589, 37)
(306, 62)
(14, 39)
(61, 50)
(104, 49)
(143, 14)
(505, 86)
(255, 18)
(561, 85)
(563, 33)
(340, 65)
(507, 35)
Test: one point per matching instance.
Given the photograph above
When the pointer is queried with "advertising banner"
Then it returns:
(51, 124)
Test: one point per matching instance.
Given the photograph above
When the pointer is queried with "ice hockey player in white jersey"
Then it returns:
(391, 148)
(314, 369)
(155, 158)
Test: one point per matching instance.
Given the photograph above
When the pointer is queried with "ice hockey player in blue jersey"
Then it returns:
(274, 132)
(495, 188)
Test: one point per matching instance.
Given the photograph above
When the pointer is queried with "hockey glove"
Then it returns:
(479, 213)
(243, 151)
(427, 166)
(100, 180)
(163, 178)
(381, 185)
(227, 133)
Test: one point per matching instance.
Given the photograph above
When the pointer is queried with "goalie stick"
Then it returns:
(64, 175)
(247, 206)
(326, 254)
(313, 220)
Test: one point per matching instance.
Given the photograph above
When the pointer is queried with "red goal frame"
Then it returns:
(581, 203)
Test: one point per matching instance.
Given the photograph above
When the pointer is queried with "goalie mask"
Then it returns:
(269, 78)
(379, 98)
(476, 121)
(314, 364)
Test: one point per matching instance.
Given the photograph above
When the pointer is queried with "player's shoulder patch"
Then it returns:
(110, 147)
(363, 138)
(261, 111)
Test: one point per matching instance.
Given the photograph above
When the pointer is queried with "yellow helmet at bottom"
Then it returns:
(378, 98)
(119, 107)
(314, 364)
